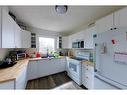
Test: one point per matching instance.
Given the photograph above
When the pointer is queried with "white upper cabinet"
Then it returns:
(89, 37)
(105, 23)
(85, 35)
(26, 39)
(120, 18)
(65, 42)
(112, 21)
(0, 27)
(8, 32)
(11, 32)
(18, 38)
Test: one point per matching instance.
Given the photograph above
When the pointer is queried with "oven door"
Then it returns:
(74, 67)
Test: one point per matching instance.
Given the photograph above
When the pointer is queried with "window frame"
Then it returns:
(55, 41)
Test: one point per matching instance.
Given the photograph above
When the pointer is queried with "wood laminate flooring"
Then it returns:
(48, 82)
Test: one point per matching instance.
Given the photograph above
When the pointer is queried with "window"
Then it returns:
(46, 45)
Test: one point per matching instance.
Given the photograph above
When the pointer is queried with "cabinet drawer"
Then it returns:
(88, 82)
(87, 68)
(7, 85)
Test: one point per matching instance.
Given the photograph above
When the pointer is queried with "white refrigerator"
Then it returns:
(111, 59)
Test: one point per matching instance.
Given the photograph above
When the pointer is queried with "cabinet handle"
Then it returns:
(87, 69)
(111, 29)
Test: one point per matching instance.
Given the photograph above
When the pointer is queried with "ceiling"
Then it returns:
(45, 17)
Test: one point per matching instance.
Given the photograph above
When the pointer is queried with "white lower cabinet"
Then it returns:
(62, 64)
(45, 67)
(7, 85)
(51, 66)
(21, 80)
(32, 70)
(87, 76)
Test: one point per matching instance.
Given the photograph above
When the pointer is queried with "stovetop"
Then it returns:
(79, 59)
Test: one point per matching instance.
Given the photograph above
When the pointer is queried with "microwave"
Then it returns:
(78, 44)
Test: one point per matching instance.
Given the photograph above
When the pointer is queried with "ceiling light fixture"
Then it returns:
(61, 9)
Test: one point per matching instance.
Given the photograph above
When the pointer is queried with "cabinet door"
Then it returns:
(105, 23)
(32, 71)
(26, 39)
(65, 42)
(7, 30)
(17, 36)
(45, 67)
(87, 76)
(62, 66)
(22, 79)
(0, 27)
(88, 37)
(7, 85)
(120, 18)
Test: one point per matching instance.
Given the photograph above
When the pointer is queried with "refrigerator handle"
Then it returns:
(95, 68)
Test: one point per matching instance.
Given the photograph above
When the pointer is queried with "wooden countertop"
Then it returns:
(11, 73)
(88, 62)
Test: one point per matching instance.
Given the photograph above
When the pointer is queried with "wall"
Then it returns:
(43, 33)
(3, 53)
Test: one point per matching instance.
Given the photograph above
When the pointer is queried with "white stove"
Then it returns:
(74, 66)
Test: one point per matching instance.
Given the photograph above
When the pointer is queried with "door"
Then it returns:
(73, 67)
(106, 61)
(8, 32)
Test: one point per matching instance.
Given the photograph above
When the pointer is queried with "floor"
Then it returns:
(49, 82)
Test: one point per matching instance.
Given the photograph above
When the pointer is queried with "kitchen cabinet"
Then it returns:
(0, 27)
(7, 85)
(120, 18)
(70, 41)
(11, 32)
(18, 34)
(26, 39)
(62, 64)
(112, 21)
(88, 76)
(85, 35)
(21, 80)
(51, 66)
(65, 42)
(8, 38)
(88, 37)
(45, 67)
(32, 71)
(104, 24)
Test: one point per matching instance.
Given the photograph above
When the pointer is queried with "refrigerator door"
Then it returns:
(100, 83)
(107, 44)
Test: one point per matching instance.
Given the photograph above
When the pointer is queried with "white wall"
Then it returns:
(43, 33)
(3, 53)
